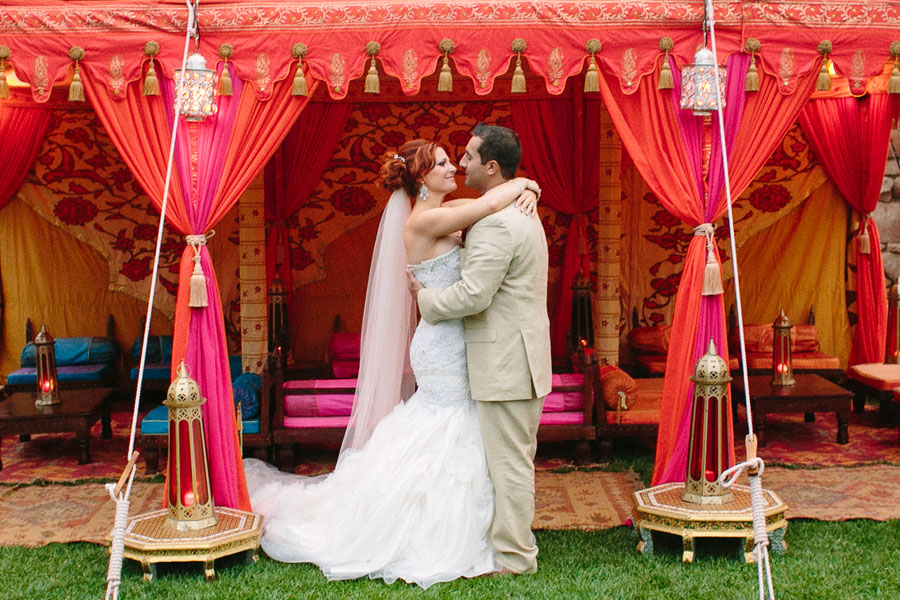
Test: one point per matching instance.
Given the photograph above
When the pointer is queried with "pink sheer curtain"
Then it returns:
(850, 137)
(559, 150)
(293, 174)
(22, 131)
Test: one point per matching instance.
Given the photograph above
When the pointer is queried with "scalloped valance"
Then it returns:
(625, 38)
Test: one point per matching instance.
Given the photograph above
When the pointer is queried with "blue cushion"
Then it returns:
(153, 372)
(235, 366)
(159, 349)
(162, 370)
(76, 351)
(247, 389)
(157, 422)
(93, 373)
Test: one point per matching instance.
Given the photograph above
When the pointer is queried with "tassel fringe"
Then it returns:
(76, 89)
(666, 82)
(712, 275)
(299, 86)
(198, 298)
(865, 246)
(151, 82)
(823, 83)
(518, 80)
(225, 86)
(592, 77)
(372, 86)
(751, 83)
(445, 81)
(4, 87)
(894, 81)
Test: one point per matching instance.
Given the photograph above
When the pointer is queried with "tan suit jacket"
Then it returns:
(503, 298)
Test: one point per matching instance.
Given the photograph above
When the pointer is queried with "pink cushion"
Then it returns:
(315, 422)
(318, 405)
(565, 379)
(344, 346)
(344, 368)
(319, 384)
(562, 418)
(558, 402)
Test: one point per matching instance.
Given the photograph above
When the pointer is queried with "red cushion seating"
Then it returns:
(877, 376)
(800, 360)
(643, 405)
(650, 345)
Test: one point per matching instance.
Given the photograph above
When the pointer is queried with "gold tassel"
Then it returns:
(445, 81)
(198, 298)
(751, 83)
(298, 88)
(225, 81)
(518, 80)
(373, 86)
(76, 88)
(4, 87)
(712, 275)
(823, 83)
(151, 82)
(666, 82)
(865, 246)
(894, 81)
(592, 77)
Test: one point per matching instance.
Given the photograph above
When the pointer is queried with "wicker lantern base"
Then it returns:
(149, 539)
(660, 508)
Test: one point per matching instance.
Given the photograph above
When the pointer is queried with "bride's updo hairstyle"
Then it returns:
(406, 169)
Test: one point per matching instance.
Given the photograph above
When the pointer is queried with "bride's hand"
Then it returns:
(527, 203)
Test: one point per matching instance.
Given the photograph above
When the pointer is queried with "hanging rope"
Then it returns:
(754, 465)
(114, 571)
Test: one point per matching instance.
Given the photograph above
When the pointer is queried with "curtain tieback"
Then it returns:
(865, 246)
(198, 298)
(712, 275)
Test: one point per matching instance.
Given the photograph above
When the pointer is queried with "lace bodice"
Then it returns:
(438, 352)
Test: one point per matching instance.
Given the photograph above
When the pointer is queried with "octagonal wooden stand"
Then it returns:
(150, 539)
(660, 508)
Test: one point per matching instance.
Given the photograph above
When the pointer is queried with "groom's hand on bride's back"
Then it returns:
(414, 285)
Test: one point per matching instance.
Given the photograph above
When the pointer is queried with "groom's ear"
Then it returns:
(492, 167)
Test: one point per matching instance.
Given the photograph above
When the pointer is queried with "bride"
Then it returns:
(410, 497)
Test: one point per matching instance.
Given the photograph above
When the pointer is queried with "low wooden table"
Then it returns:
(810, 394)
(78, 411)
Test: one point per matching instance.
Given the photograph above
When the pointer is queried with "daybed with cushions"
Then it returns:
(806, 355)
(316, 411)
(627, 407)
(158, 363)
(81, 362)
(649, 347)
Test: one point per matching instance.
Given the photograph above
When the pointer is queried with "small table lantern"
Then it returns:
(190, 501)
(708, 442)
(47, 380)
(279, 332)
(782, 370)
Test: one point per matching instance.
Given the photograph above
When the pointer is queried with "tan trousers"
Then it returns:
(509, 429)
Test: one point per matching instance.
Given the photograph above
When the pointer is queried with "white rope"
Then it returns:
(754, 465)
(114, 572)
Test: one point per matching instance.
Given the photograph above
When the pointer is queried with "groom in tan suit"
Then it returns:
(503, 298)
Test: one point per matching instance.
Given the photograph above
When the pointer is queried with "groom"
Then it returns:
(503, 297)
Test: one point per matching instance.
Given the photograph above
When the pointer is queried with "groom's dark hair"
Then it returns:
(500, 144)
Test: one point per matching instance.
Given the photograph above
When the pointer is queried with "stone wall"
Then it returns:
(887, 213)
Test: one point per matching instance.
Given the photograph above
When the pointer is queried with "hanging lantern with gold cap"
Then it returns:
(698, 84)
(279, 333)
(190, 501)
(892, 348)
(708, 444)
(782, 369)
(47, 380)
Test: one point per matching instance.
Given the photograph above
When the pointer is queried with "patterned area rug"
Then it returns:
(42, 514)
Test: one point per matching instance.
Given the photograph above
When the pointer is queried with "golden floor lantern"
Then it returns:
(892, 348)
(47, 379)
(192, 528)
(782, 369)
(700, 507)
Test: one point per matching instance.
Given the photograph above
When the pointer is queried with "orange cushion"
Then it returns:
(656, 363)
(876, 375)
(650, 340)
(802, 360)
(614, 380)
(760, 338)
(644, 407)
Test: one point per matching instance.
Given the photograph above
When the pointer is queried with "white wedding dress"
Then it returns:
(415, 503)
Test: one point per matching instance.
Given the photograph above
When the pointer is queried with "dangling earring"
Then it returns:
(423, 193)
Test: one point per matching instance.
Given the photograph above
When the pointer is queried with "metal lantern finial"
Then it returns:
(698, 80)
(782, 369)
(892, 348)
(708, 445)
(47, 380)
(190, 500)
(195, 94)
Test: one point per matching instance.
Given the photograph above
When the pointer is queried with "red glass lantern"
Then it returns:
(708, 445)
(782, 370)
(47, 380)
(190, 501)
(892, 348)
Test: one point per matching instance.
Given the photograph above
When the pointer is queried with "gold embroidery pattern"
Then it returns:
(263, 74)
(629, 67)
(786, 66)
(41, 75)
(116, 73)
(554, 72)
(338, 74)
(410, 68)
(858, 71)
(483, 68)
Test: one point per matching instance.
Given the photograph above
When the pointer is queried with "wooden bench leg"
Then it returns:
(286, 457)
(582, 452)
(261, 453)
(151, 460)
(605, 448)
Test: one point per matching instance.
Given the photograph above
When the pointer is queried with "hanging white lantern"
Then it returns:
(698, 92)
(195, 95)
